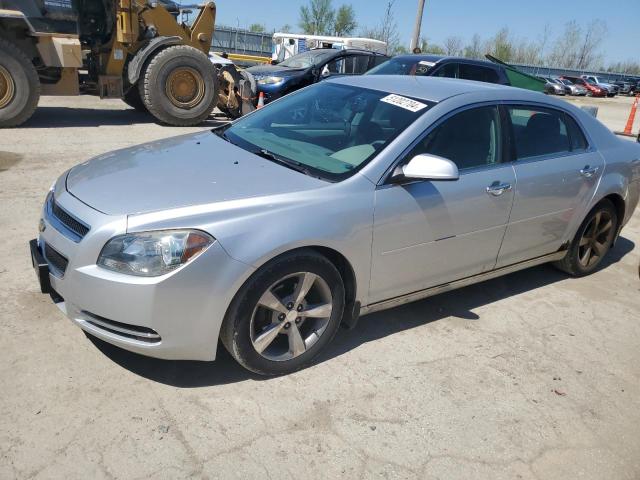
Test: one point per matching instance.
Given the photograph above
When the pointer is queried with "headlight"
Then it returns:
(150, 254)
(270, 80)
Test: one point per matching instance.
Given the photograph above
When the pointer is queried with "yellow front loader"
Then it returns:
(136, 50)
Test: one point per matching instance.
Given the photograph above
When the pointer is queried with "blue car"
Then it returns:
(309, 67)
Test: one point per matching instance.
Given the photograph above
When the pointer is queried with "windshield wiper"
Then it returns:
(292, 164)
(222, 132)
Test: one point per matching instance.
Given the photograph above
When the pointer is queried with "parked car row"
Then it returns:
(590, 85)
(312, 66)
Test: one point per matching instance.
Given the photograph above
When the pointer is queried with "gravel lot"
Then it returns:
(534, 375)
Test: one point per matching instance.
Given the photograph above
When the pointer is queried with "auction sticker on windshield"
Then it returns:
(403, 102)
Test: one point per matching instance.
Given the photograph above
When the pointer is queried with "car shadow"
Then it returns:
(459, 303)
(67, 117)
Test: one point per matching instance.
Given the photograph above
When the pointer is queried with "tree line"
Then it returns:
(575, 47)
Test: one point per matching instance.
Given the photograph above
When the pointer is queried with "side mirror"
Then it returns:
(429, 167)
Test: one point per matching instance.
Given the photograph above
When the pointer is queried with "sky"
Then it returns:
(444, 18)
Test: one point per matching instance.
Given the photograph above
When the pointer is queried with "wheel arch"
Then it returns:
(342, 264)
(619, 204)
(137, 63)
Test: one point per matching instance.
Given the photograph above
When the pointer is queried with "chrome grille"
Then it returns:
(63, 221)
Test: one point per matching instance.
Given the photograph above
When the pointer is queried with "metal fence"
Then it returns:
(236, 40)
(557, 72)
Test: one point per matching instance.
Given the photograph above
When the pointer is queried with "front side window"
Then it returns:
(349, 65)
(329, 130)
(538, 132)
(470, 139)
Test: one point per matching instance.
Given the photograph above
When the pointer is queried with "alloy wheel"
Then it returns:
(291, 316)
(596, 239)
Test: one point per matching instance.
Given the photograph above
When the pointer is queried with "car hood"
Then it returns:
(266, 70)
(194, 169)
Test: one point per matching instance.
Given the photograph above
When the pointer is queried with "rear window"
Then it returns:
(478, 73)
(538, 132)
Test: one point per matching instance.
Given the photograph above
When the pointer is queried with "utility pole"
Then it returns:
(415, 40)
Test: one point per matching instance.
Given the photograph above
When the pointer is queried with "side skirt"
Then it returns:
(429, 292)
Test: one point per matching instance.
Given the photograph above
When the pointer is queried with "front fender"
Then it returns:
(137, 62)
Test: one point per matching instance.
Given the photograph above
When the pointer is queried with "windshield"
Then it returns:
(327, 130)
(590, 81)
(402, 66)
(307, 59)
(566, 82)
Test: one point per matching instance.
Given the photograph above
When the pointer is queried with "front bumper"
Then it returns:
(175, 316)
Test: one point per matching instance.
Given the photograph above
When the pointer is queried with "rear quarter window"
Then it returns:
(578, 140)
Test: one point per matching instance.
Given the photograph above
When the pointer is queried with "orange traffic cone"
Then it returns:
(260, 101)
(632, 116)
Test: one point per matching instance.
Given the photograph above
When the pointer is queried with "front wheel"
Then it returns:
(178, 86)
(592, 242)
(285, 314)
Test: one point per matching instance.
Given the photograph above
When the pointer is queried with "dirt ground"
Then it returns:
(530, 376)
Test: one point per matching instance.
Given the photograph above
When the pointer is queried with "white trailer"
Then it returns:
(286, 45)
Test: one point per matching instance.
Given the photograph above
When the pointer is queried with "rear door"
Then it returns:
(557, 172)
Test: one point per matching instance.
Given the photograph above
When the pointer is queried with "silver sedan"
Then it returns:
(345, 198)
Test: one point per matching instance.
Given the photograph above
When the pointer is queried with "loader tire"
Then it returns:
(178, 86)
(19, 86)
(132, 98)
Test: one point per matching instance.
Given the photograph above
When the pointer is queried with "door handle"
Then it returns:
(496, 188)
(588, 171)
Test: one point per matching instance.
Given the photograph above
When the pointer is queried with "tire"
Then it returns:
(166, 68)
(132, 98)
(248, 322)
(602, 216)
(19, 86)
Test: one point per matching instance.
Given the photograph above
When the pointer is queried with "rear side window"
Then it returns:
(578, 140)
(470, 139)
(538, 132)
(478, 73)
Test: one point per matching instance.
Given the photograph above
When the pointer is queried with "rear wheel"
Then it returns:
(592, 242)
(285, 314)
(19, 86)
(178, 86)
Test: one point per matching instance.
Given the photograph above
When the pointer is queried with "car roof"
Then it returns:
(338, 51)
(422, 57)
(432, 89)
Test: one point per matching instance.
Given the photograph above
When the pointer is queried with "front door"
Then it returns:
(428, 233)
(557, 176)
